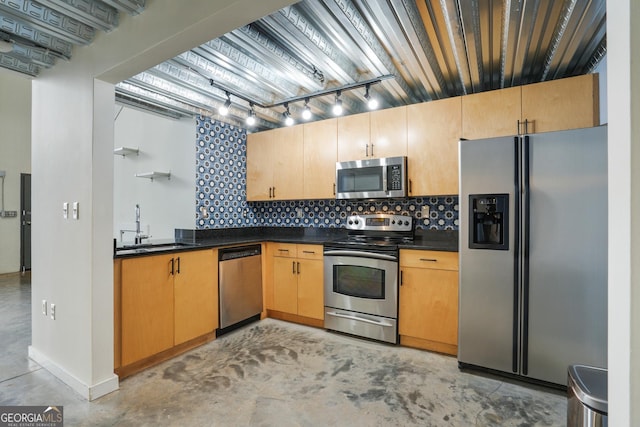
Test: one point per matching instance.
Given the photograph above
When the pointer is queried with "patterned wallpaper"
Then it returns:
(221, 151)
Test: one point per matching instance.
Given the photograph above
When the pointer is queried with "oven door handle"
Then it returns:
(361, 254)
(360, 319)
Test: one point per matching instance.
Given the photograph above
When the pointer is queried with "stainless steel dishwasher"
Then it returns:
(239, 286)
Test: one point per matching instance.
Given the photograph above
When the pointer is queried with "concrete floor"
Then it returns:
(276, 373)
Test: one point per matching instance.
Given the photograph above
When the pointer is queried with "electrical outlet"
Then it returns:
(53, 312)
(425, 211)
(44, 307)
(65, 210)
(299, 213)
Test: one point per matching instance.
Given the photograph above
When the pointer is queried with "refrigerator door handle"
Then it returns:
(516, 254)
(526, 219)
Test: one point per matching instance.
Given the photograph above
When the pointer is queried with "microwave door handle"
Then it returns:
(385, 188)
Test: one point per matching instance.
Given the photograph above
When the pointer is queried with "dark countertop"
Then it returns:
(188, 240)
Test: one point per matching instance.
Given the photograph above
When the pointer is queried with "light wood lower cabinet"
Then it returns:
(428, 311)
(297, 284)
(165, 301)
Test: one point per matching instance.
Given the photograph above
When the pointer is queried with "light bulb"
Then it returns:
(372, 103)
(306, 113)
(288, 121)
(250, 120)
(337, 108)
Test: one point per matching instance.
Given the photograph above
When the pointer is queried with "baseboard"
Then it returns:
(89, 392)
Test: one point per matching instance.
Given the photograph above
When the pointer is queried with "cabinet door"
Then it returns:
(491, 114)
(260, 165)
(320, 156)
(310, 289)
(353, 137)
(287, 156)
(429, 305)
(434, 129)
(147, 307)
(388, 132)
(196, 294)
(285, 285)
(569, 103)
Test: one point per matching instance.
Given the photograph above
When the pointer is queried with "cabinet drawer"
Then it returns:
(286, 250)
(439, 260)
(309, 251)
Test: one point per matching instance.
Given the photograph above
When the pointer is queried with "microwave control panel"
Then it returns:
(394, 177)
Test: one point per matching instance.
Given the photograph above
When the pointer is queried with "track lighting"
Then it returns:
(224, 110)
(251, 118)
(372, 103)
(337, 107)
(288, 120)
(306, 113)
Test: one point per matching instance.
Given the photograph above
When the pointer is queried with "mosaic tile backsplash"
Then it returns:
(221, 151)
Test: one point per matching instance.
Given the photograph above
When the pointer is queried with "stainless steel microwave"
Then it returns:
(372, 178)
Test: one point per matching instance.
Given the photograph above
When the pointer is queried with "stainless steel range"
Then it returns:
(361, 276)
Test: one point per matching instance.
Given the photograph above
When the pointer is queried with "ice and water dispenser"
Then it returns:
(489, 221)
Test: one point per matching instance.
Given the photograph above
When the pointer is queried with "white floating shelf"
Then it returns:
(154, 175)
(125, 151)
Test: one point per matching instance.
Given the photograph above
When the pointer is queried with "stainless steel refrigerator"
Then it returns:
(533, 253)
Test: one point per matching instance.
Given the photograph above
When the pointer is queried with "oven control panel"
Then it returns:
(380, 222)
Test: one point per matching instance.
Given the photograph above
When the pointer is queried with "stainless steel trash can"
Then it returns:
(587, 397)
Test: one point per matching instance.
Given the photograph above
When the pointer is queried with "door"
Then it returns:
(488, 293)
(567, 252)
(25, 222)
(195, 294)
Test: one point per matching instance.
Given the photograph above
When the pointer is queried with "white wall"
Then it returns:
(165, 145)
(623, 82)
(15, 158)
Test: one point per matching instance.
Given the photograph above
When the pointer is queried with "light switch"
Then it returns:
(65, 210)
(75, 211)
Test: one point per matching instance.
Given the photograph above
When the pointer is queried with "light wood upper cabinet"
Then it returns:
(147, 307)
(561, 104)
(275, 164)
(388, 132)
(353, 137)
(260, 165)
(569, 103)
(195, 294)
(320, 157)
(434, 129)
(491, 114)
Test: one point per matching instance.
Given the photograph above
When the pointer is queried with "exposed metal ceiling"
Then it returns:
(431, 49)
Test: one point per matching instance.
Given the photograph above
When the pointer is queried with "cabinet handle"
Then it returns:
(274, 192)
(308, 252)
(526, 126)
(410, 185)
(178, 271)
(518, 130)
(283, 250)
(401, 278)
(372, 155)
(173, 271)
(429, 259)
(298, 267)
(293, 267)
(334, 188)
(366, 151)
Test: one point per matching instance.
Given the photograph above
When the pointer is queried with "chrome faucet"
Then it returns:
(139, 235)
